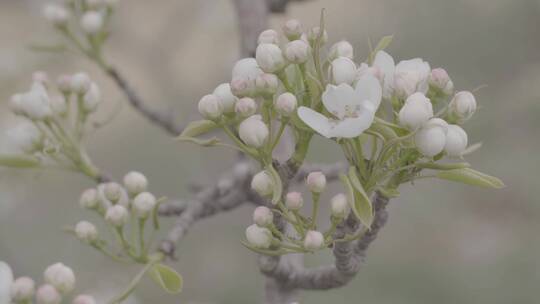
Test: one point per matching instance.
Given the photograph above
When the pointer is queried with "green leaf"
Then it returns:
(19, 161)
(166, 277)
(389, 192)
(198, 127)
(447, 166)
(278, 186)
(361, 205)
(471, 177)
(201, 142)
(383, 43)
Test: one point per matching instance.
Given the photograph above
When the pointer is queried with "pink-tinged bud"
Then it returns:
(297, 51)
(294, 201)
(439, 79)
(456, 141)
(270, 58)
(462, 106)
(144, 204)
(292, 29)
(263, 216)
(61, 277)
(245, 107)
(86, 231)
(227, 99)
(259, 237)
(316, 182)
(22, 290)
(84, 299)
(342, 70)
(340, 206)
(253, 131)
(314, 240)
(47, 294)
(267, 84)
(341, 49)
(117, 215)
(210, 107)
(269, 36)
(262, 184)
(431, 138)
(286, 104)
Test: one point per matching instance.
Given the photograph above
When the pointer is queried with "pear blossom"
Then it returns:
(246, 68)
(253, 131)
(25, 137)
(227, 99)
(462, 106)
(430, 140)
(268, 36)
(411, 76)
(22, 290)
(292, 29)
(61, 277)
(56, 14)
(383, 68)
(258, 236)
(353, 109)
(35, 103)
(439, 79)
(210, 107)
(266, 84)
(297, 51)
(47, 294)
(294, 200)
(92, 22)
(263, 216)
(314, 240)
(286, 103)
(262, 183)
(341, 49)
(245, 107)
(456, 141)
(416, 111)
(316, 182)
(270, 57)
(342, 70)
(340, 206)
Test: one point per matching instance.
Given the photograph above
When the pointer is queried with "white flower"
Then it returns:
(384, 63)
(92, 98)
(314, 240)
(80, 83)
(270, 58)
(340, 206)
(354, 109)
(144, 204)
(245, 107)
(431, 138)
(86, 231)
(259, 237)
(411, 76)
(246, 68)
(342, 70)
(84, 299)
(341, 49)
(294, 201)
(456, 141)
(56, 14)
(439, 79)
(286, 104)
(89, 199)
(92, 22)
(47, 294)
(462, 106)
(292, 29)
(210, 107)
(22, 289)
(36, 103)
(316, 182)
(253, 131)
(262, 183)
(135, 182)
(266, 84)
(416, 111)
(226, 97)
(117, 215)
(263, 216)
(297, 51)
(61, 277)
(25, 137)
(268, 36)
(6, 278)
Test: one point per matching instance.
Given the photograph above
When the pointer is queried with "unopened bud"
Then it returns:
(294, 201)
(431, 138)
(144, 204)
(340, 206)
(297, 51)
(113, 192)
(92, 98)
(269, 36)
(314, 240)
(84, 299)
(135, 182)
(92, 22)
(210, 107)
(22, 290)
(262, 183)
(56, 14)
(61, 277)
(80, 83)
(439, 79)
(286, 104)
(242, 87)
(316, 182)
(270, 58)
(456, 141)
(416, 111)
(117, 215)
(342, 70)
(47, 294)
(245, 107)
(86, 231)
(341, 49)
(262, 216)
(259, 237)
(227, 99)
(292, 29)
(89, 199)
(253, 131)
(462, 106)
(267, 84)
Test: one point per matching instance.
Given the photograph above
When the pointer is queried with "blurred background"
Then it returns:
(445, 243)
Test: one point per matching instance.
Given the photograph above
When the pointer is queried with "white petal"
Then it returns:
(369, 88)
(353, 127)
(386, 64)
(6, 279)
(337, 99)
(315, 120)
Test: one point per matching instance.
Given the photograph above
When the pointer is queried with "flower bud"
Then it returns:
(242, 87)
(456, 141)
(245, 107)
(266, 84)
(270, 58)
(92, 22)
(80, 83)
(263, 216)
(314, 33)
(246, 68)
(15, 104)
(135, 182)
(314, 240)
(342, 70)
(416, 111)
(56, 14)
(47, 294)
(316, 182)
(262, 184)
(364, 69)
(61, 277)
(117, 215)
(259, 237)
(297, 51)
(340, 206)
(253, 131)
(226, 98)
(210, 107)
(144, 204)
(439, 79)
(92, 98)
(411, 76)
(25, 137)
(112, 192)
(89, 199)
(431, 138)
(286, 104)
(292, 29)
(462, 106)
(35, 104)
(22, 290)
(294, 201)
(341, 49)
(86, 231)
(269, 36)
(84, 299)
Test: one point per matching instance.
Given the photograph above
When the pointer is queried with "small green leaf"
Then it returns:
(166, 277)
(448, 166)
(471, 177)
(278, 186)
(361, 205)
(383, 43)
(19, 161)
(198, 127)
(201, 142)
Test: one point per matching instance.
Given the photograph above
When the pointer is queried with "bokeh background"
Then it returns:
(445, 243)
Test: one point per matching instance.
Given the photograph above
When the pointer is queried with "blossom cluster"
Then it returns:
(59, 282)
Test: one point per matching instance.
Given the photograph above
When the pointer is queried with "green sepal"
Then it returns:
(214, 141)
(278, 186)
(471, 177)
(166, 277)
(198, 127)
(381, 45)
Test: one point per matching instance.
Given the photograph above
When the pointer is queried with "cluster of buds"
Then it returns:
(59, 282)
(54, 122)
(90, 15)
(119, 205)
